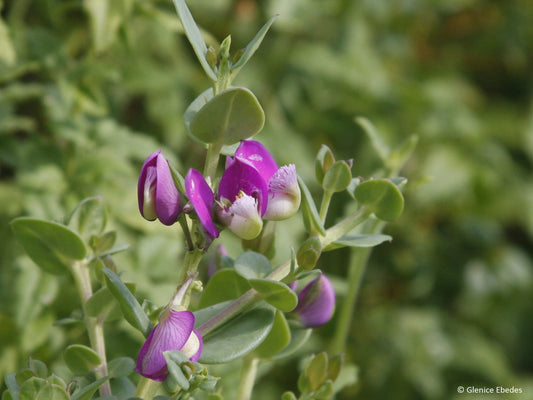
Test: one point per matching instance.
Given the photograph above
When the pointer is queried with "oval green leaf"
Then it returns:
(382, 197)
(232, 115)
(120, 367)
(238, 336)
(50, 245)
(278, 338)
(86, 392)
(252, 265)
(226, 284)
(275, 293)
(52, 392)
(81, 359)
(337, 178)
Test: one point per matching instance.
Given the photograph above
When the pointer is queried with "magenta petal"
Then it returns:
(240, 176)
(316, 302)
(167, 198)
(258, 156)
(202, 199)
(170, 334)
(150, 162)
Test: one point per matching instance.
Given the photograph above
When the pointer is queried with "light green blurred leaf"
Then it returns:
(225, 285)
(50, 245)
(252, 265)
(278, 338)
(81, 359)
(362, 240)
(88, 218)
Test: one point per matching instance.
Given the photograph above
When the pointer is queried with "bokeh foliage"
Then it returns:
(89, 88)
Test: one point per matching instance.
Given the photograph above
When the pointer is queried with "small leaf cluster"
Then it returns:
(317, 378)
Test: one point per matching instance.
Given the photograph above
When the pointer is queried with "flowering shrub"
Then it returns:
(247, 308)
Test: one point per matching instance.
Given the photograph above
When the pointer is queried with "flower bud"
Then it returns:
(157, 193)
(283, 194)
(174, 332)
(316, 303)
(309, 253)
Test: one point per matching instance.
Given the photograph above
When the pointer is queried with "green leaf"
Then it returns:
(195, 36)
(120, 367)
(175, 379)
(87, 392)
(52, 392)
(368, 240)
(193, 109)
(226, 284)
(298, 337)
(238, 336)
(31, 387)
(232, 115)
(317, 370)
(252, 265)
(275, 293)
(376, 140)
(402, 153)
(323, 161)
(103, 243)
(312, 219)
(81, 359)
(50, 245)
(252, 47)
(132, 310)
(382, 197)
(278, 338)
(337, 178)
(40, 368)
(89, 218)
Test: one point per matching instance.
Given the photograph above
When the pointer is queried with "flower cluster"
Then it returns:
(252, 188)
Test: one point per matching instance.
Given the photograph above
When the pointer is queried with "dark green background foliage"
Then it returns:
(89, 88)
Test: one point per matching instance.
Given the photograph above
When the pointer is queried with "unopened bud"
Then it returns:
(309, 253)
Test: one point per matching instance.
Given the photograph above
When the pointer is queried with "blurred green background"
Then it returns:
(88, 89)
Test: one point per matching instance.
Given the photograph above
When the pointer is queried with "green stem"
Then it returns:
(324, 206)
(94, 326)
(147, 388)
(211, 159)
(248, 374)
(358, 261)
(346, 225)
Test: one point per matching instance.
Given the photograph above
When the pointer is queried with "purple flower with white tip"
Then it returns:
(283, 191)
(174, 332)
(316, 302)
(202, 199)
(157, 193)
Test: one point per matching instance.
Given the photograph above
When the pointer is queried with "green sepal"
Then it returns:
(238, 336)
(312, 220)
(278, 338)
(232, 115)
(195, 37)
(309, 253)
(132, 310)
(362, 240)
(50, 245)
(81, 359)
(275, 293)
(382, 197)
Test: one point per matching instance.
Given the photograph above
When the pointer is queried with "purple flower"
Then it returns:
(174, 332)
(202, 199)
(251, 188)
(283, 191)
(316, 302)
(157, 193)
